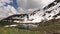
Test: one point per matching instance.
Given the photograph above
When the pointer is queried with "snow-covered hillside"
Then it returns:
(45, 15)
(52, 11)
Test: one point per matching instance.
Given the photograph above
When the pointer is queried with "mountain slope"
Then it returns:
(52, 11)
(47, 14)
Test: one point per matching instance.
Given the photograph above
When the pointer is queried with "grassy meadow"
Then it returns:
(48, 27)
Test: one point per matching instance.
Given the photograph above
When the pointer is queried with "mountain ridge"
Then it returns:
(45, 14)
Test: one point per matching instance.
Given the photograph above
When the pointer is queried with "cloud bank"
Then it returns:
(3, 2)
(8, 10)
(33, 4)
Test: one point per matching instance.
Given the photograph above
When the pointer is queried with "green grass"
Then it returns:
(38, 30)
(17, 31)
(49, 27)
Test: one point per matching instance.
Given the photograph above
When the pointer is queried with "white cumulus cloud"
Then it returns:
(6, 11)
(3, 2)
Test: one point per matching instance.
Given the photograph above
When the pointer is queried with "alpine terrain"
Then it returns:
(49, 12)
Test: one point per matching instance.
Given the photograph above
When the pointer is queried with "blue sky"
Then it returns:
(14, 4)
